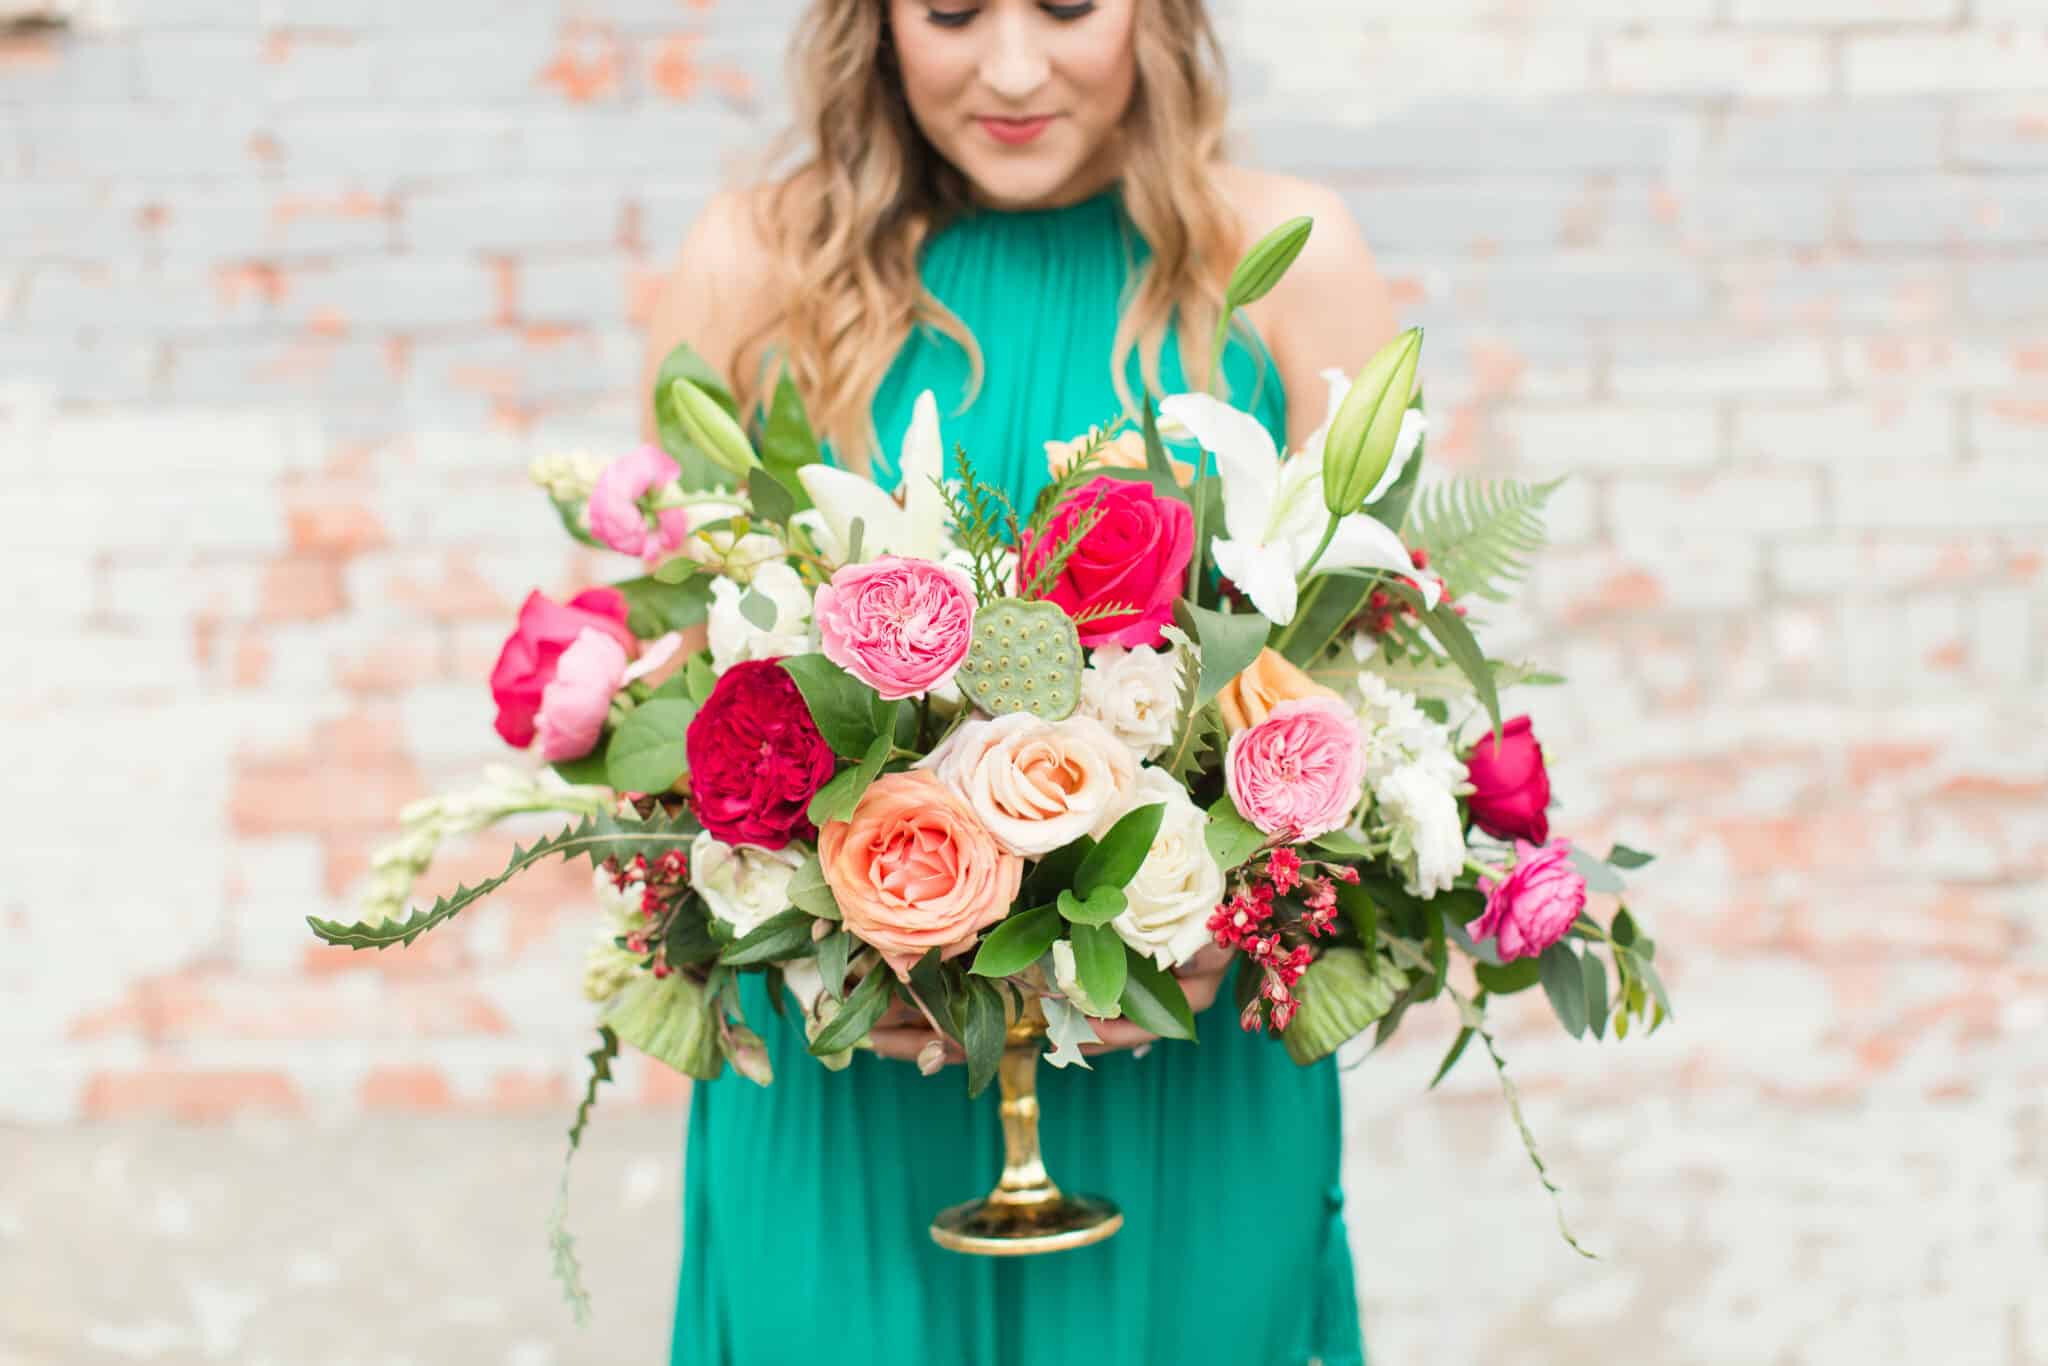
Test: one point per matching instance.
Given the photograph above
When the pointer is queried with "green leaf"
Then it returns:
(1102, 905)
(1118, 855)
(1262, 267)
(654, 608)
(647, 753)
(679, 569)
(1158, 464)
(1596, 994)
(1623, 931)
(1341, 994)
(595, 837)
(1564, 982)
(759, 609)
(1055, 872)
(1457, 640)
(672, 1020)
(690, 938)
(1391, 508)
(1481, 535)
(708, 427)
(836, 800)
(1439, 961)
(930, 984)
(600, 1071)
(1621, 856)
(835, 950)
(1457, 1050)
(771, 500)
(1333, 600)
(787, 442)
(588, 771)
(1099, 961)
(1152, 998)
(1508, 978)
(1231, 838)
(841, 705)
(863, 1006)
(1342, 844)
(698, 678)
(1367, 424)
(786, 934)
(983, 1025)
(1360, 910)
(1599, 877)
(1198, 729)
(810, 893)
(1017, 942)
(1648, 973)
(562, 1248)
(1229, 644)
(1067, 1028)
(699, 471)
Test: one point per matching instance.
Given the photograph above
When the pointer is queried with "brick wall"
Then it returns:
(292, 291)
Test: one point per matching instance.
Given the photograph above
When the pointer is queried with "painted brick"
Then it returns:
(395, 292)
(1912, 432)
(513, 219)
(1981, 61)
(377, 148)
(1648, 511)
(1857, 13)
(2004, 134)
(266, 224)
(1742, 65)
(278, 67)
(1984, 495)
(168, 144)
(1697, 363)
(691, 147)
(1774, 293)
(1927, 212)
(478, 65)
(1479, 220)
(1607, 436)
(1836, 140)
(2007, 428)
(77, 69)
(1722, 216)
(1451, 139)
(2008, 290)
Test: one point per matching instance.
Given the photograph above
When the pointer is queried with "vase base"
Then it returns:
(987, 1228)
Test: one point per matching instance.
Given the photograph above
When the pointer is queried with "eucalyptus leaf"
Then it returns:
(1564, 982)
(1599, 877)
(1596, 994)
(759, 609)
(1621, 856)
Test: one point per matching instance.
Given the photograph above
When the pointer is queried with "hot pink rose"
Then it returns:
(1510, 786)
(527, 662)
(577, 699)
(1300, 772)
(1134, 556)
(901, 626)
(756, 758)
(1534, 905)
(615, 515)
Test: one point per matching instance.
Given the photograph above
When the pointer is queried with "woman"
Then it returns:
(1022, 207)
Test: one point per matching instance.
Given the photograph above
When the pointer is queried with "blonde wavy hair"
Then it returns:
(844, 227)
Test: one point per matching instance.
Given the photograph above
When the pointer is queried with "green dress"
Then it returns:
(806, 1203)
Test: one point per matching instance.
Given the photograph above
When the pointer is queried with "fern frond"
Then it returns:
(1055, 563)
(984, 526)
(1480, 535)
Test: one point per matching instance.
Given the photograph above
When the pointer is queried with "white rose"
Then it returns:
(741, 884)
(1419, 812)
(1136, 693)
(1168, 903)
(733, 638)
(1036, 785)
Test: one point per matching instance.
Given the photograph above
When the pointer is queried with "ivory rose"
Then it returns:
(1268, 681)
(914, 870)
(733, 638)
(742, 884)
(1136, 693)
(1300, 772)
(1168, 903)
(1036, 785)
(574, 704)
(899, 625)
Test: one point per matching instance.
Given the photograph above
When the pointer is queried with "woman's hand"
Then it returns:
(903, 1032)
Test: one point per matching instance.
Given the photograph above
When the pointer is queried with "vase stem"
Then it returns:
(1024, 1181)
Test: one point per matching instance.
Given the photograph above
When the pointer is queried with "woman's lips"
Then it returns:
(1015, 132)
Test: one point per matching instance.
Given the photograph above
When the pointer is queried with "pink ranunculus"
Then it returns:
(1135, 556)
(576, 700)
(1300, 772)
(527, 662)
(756, 758)
(1510, 786)
(1530, 909)
(899, 625)
(615, 515)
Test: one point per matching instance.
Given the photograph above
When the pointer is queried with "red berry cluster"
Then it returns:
(663, 883)
(1278, 936)
(1383, 609)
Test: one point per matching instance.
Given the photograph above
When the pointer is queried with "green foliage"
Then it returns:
(836, 800)
(1391, 508)
(1341, 994)
(1231, 838)
(1158, 464)
(710, 427)
(561, 1247)
(810, 893)
(699, 470)
(1228, 644)
(671, 1019)
(787, 441)
(1118, 855)
(1514, 1100)
(770, 499)
(847, 712)
(1564, 982)
(588, 771)
(984, 527)
(1153, 1000)
(1621, 856)
(782, 936)
(1461, 646)
(1266, 262)
(1067, 1028)
(1099, 907)
(1505, 979)
(1198, 731)
(863, 1006)
(594, 837)
(1367, 424)
(646, 753)
(1017, 942)
(1480, 535)
(1099, 965)
(1024, 656)
(1332, 601)
(654, 608)
(982, 1022)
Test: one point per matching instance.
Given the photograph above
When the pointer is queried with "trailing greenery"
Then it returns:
(561, 1247)
(1480, 535)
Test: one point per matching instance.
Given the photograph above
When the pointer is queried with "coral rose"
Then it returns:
(899, 625)
(1036, 785)
(1510, 786)
(531, 654)
(1532, 907)
(914, 870)
(756, 758)
(1300, 772)
(1134, 557)
(1265, 683)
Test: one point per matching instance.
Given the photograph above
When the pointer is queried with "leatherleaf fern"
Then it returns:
(1480, 535)
(595, 837)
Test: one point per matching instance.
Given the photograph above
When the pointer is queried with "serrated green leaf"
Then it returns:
(841, 706)
(646, 753)
(1099, 961)
(864, 1005)
(1481, 536)
(784, 935)
(1118, 855)
(1564, 982)
(1017, 942)
(1230, 837)
(562, 1248)
(1153, 1000)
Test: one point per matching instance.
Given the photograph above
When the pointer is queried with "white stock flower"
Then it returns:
(742, 885)
(1136, 693)
(1421, 816)
(733, 638)
(1397, 733)
(1167, 905)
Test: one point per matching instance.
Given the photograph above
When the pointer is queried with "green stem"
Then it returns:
(1216, 345)
(1195, 561)
(1300, 614)
(665, 502)
(1329, 534)
(1473, 865)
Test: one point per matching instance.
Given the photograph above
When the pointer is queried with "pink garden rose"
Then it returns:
(1510, 787)
(1300, 772)
(615, 515)
(527, 662)
(756, 758)
(1135, 556)
(577, 699)
(1532, 907)
(899, 625)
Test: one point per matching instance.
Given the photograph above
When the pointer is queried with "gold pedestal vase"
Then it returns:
(1026, 1213)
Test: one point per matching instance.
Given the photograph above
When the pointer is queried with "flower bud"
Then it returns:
(1265, 264)
(1367, 426)
(711, 429)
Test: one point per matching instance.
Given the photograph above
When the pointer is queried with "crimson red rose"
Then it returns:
(1510, 787)
(756, 758)
(1134, 556)
(526, 663)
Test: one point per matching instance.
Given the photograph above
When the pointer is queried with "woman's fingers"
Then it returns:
(906, 1043)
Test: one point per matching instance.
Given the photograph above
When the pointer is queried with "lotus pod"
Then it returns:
(1026, 656)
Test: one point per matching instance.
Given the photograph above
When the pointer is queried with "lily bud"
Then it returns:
(1367, 426)
(1267, 261)
(711, 429)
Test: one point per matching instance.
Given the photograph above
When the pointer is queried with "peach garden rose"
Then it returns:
(1036, 785)
(1265, 683)
(914, 870)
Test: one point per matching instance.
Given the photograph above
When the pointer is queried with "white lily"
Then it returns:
(915, 527)
(1273, 509)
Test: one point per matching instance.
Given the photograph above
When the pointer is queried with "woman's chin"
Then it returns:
(1022, 181)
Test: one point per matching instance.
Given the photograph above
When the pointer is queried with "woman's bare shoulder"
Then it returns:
(719, 291)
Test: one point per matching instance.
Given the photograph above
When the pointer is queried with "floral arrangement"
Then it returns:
(985, 761)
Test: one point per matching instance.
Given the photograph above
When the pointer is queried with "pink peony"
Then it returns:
(1134, 557)
(901, 626)
(577, 699)
(527, 661)
(1510, 787)
(1300, 772)
(615, 515)
(1534, 905)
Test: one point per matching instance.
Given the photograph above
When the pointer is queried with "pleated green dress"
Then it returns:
(806, 1203)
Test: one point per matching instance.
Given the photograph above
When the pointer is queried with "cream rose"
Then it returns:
(1136, 693)
(733, 638)
(1168, 903)
(742, 885)
(1036, 785)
